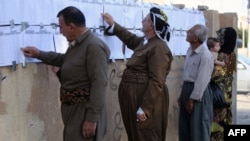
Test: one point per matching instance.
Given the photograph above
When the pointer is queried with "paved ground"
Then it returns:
(243, 101)
(243, 109)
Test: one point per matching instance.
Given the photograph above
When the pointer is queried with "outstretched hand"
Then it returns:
(108, 18)
(30, 51)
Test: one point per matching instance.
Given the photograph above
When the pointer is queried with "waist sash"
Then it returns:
(134, 77)
(74, 96)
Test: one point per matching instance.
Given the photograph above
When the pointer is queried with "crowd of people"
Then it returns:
(143, 93)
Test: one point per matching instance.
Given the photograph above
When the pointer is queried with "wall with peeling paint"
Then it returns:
(30, 106)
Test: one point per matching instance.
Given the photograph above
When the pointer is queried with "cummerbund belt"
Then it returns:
(133, 77)
(75, 95)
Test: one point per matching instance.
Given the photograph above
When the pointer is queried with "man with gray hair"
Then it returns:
(196, 101)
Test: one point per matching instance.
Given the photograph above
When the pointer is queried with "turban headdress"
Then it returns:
(161, 26)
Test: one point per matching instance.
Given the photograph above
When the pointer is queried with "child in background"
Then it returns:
(213, 45)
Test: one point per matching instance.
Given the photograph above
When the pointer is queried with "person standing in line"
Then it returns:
(224, 77)
(196, 100)
(83, 77)
(143, 93)
(213, 45)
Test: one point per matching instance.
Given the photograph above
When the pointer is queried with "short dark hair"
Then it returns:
(72, 14)
(211, 41)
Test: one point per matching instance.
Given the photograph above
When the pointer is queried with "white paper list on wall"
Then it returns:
(37, 14)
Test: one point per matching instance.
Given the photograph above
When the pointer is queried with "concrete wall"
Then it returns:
(212, 21)
(30, 106)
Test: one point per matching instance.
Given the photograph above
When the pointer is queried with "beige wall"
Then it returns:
(30, 108)
(29, 105)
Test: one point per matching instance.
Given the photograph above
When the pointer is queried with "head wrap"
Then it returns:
(161, 27)
(227, 37)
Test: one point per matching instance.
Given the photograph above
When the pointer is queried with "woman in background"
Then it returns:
(223, 76)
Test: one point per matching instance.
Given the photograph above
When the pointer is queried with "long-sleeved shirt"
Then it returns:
(198, 68)
(84, 65)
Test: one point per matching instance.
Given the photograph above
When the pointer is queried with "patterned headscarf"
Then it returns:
(160, 20)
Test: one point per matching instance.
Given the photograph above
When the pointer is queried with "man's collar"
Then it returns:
(74, 42)
(198, 49)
